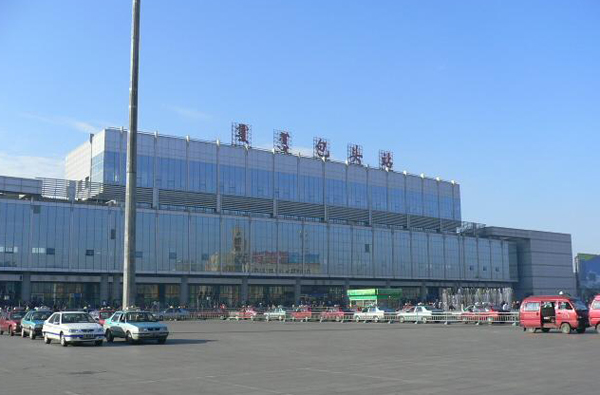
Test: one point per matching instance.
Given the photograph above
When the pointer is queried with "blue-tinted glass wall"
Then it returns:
(182, 164)
(88, 238)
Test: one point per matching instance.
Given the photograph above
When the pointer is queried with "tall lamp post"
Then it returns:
(129, 291)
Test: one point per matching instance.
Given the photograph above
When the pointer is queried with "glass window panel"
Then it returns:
(235, 248)
(340, 250)
(264, 246)
(315, 249)
(290, 247)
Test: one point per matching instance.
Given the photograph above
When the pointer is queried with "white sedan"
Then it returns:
(277, 313)
(373, 313)
(70, 327)
(419, 314)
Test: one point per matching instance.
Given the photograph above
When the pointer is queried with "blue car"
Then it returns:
(31, 324)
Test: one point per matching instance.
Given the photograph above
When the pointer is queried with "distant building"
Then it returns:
(588, 274)
(234, 224)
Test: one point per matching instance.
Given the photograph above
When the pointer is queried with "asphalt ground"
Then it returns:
(251, 358)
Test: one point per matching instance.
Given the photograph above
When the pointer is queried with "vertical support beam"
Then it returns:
(129, 292)
(244, 290)
(184, 293)
(423, 292)
(116, 290)
(26, 288)
(297, 291)
(346, 288)
(103, 289)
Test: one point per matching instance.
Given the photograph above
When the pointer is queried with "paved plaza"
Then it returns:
(252, 358)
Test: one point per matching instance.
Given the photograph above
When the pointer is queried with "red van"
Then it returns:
(595, 313)
(554, 312)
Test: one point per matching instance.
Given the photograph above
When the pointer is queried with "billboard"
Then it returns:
(588, 269)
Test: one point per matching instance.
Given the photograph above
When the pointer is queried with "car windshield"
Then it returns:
(140, 317)
(579, 305)
(76, 318)
(40, 316)
(16, 316)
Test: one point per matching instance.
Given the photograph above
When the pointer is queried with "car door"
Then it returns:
(116, 326)
(54, 329)
(530, 315)
(565, 313)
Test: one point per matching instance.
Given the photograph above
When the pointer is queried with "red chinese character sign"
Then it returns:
(320, 148)
(386, 160)
(355, 154)
(241, 134)
(282, 141)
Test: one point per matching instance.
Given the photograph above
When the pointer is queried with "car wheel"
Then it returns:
(402, 320)
(63, 341)
(424, 320)
(10, 331)
(531, 330)
(128, 338)
(545, 330)
(98, 343)
(598, 328)
(47, 340)
(32, 335)
(267, 318)
(1, 332)
(376, 319)
(109, 336)
(565, 328)
(306, 319)
(337, 319)
(357, 319)
(162, 340)
(22, 332)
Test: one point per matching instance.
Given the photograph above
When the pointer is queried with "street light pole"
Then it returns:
(129, 291)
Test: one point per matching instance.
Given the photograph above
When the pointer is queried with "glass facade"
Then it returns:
(53, 236)
(181, 164)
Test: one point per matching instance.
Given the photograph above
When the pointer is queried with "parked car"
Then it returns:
(70, 327)
(418, 314)
(373, 313)
(246, 313)
(33, 321)
(594, 313)
(335, 313)
(302, 313)
(174, 314)
(135, 326)
(278, 313)
(554, 312)
(101, 315)
(10, 322)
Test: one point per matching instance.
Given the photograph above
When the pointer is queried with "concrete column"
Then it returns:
(104, 288)
(346, 288)
(116, 291)
(297, 291)
(184, 293)
(244, 291)
(26, 288)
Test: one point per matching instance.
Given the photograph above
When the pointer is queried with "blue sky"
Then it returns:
(503, 96)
